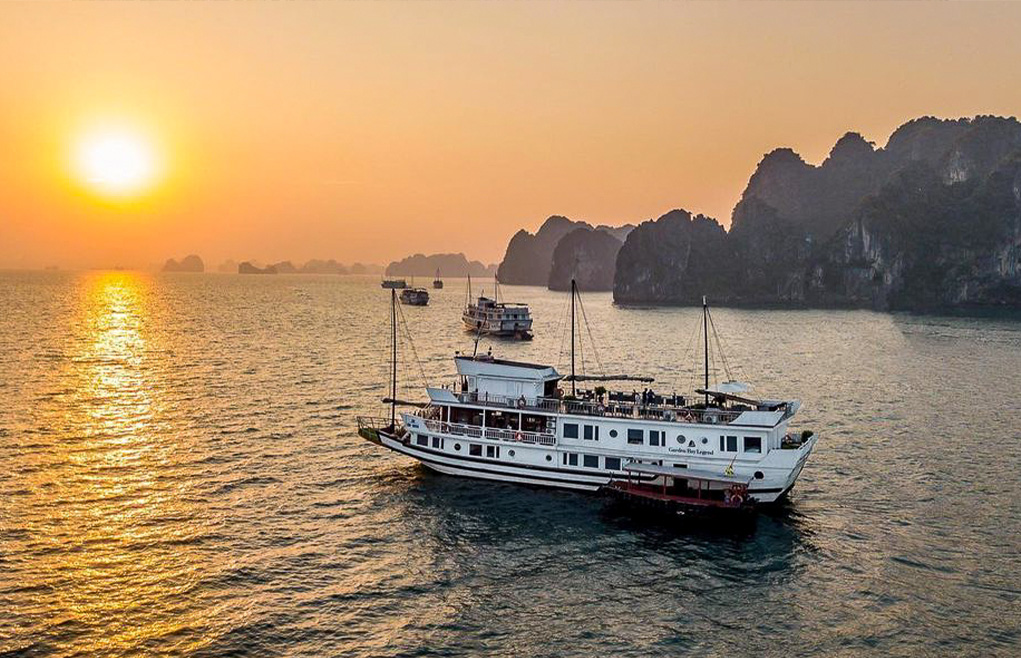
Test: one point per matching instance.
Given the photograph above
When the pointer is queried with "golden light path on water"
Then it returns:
(105, 505)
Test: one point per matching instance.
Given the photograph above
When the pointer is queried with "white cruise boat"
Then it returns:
(491, 317)
(515, 422)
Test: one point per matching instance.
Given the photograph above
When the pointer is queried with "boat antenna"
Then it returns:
(705, 332)
(574, 288)
(393, 380)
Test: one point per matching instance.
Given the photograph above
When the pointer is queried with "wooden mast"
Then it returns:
(705, 333)
(393, 380)
(573, 289)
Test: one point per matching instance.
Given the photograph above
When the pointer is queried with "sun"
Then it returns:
(117, 162)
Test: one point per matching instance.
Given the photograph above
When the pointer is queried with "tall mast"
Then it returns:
(573, 288)
(705, 333)
(393, 380)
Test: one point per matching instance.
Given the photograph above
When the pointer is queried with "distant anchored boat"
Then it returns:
(438, 282)
(415, 296)
(714, 453)
(490, 317)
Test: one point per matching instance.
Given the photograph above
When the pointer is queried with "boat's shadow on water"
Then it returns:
(494, 515)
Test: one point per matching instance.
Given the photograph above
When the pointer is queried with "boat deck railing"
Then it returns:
(614, 409)
(492, 433)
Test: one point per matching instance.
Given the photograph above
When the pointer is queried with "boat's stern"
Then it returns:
(369, 428)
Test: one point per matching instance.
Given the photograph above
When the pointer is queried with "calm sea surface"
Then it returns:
(180, 474)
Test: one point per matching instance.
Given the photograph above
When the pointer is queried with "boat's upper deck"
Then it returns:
(489, 382)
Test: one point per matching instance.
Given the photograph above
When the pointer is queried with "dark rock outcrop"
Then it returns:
(674, 260)
(587, 255)
(930, 221)
(447, 264)
(190, 263)
(529, 258)
(285, 267)
(248, 268)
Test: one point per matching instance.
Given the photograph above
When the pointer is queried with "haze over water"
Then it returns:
(182, 476)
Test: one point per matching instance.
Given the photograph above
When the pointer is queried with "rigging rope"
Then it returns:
(588, 328)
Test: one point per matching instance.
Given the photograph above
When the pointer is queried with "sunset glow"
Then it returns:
(116, 162)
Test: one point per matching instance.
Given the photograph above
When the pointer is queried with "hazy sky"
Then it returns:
(370, 131)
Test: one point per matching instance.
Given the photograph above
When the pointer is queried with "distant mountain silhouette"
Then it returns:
(316, 266)
(447, 264)
(529, 258)
(248, 268)
(930, 221)
(191, 263)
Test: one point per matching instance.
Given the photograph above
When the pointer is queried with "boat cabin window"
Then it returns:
(753, 444)
(502, 420)
(635, 437)
(421, 439)
(466, 416)
(570, 430)
(612, 463)
(549, 389)
(591, 433)
(571, 459)
(438, 442)
(728, 444)
(591, 461)
(654, 438)
(613, 434)
(533, 423)
(493, 452)
(474, 449)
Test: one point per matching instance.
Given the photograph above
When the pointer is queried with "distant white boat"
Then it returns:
(490, 317)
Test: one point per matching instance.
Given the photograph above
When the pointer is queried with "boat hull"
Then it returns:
(538, 471)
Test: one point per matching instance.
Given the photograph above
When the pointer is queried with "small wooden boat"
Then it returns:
(683, 492)
(438, 282)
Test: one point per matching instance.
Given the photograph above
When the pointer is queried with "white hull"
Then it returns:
(529, 465)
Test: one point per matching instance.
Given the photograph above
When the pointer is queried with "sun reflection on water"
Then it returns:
(110, 558)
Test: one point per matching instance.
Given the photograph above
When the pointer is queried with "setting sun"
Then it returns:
(116, 162)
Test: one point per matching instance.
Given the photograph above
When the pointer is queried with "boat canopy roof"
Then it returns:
(759, 418)
(486, 366)
(686, 473)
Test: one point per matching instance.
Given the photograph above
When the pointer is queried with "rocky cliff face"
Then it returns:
(675, 260)
(932, 220)
(587, 255)
(529, 258)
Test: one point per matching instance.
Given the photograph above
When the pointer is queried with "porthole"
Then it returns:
(704, 440)
(759, 475)
(510, 452)
(549, 458)
(613, 434)
(457, 446)
(681, 439)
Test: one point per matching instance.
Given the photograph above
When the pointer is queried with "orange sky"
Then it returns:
(370, 131)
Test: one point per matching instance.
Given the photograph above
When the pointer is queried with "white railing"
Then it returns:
(495, 434)
(614, 409)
